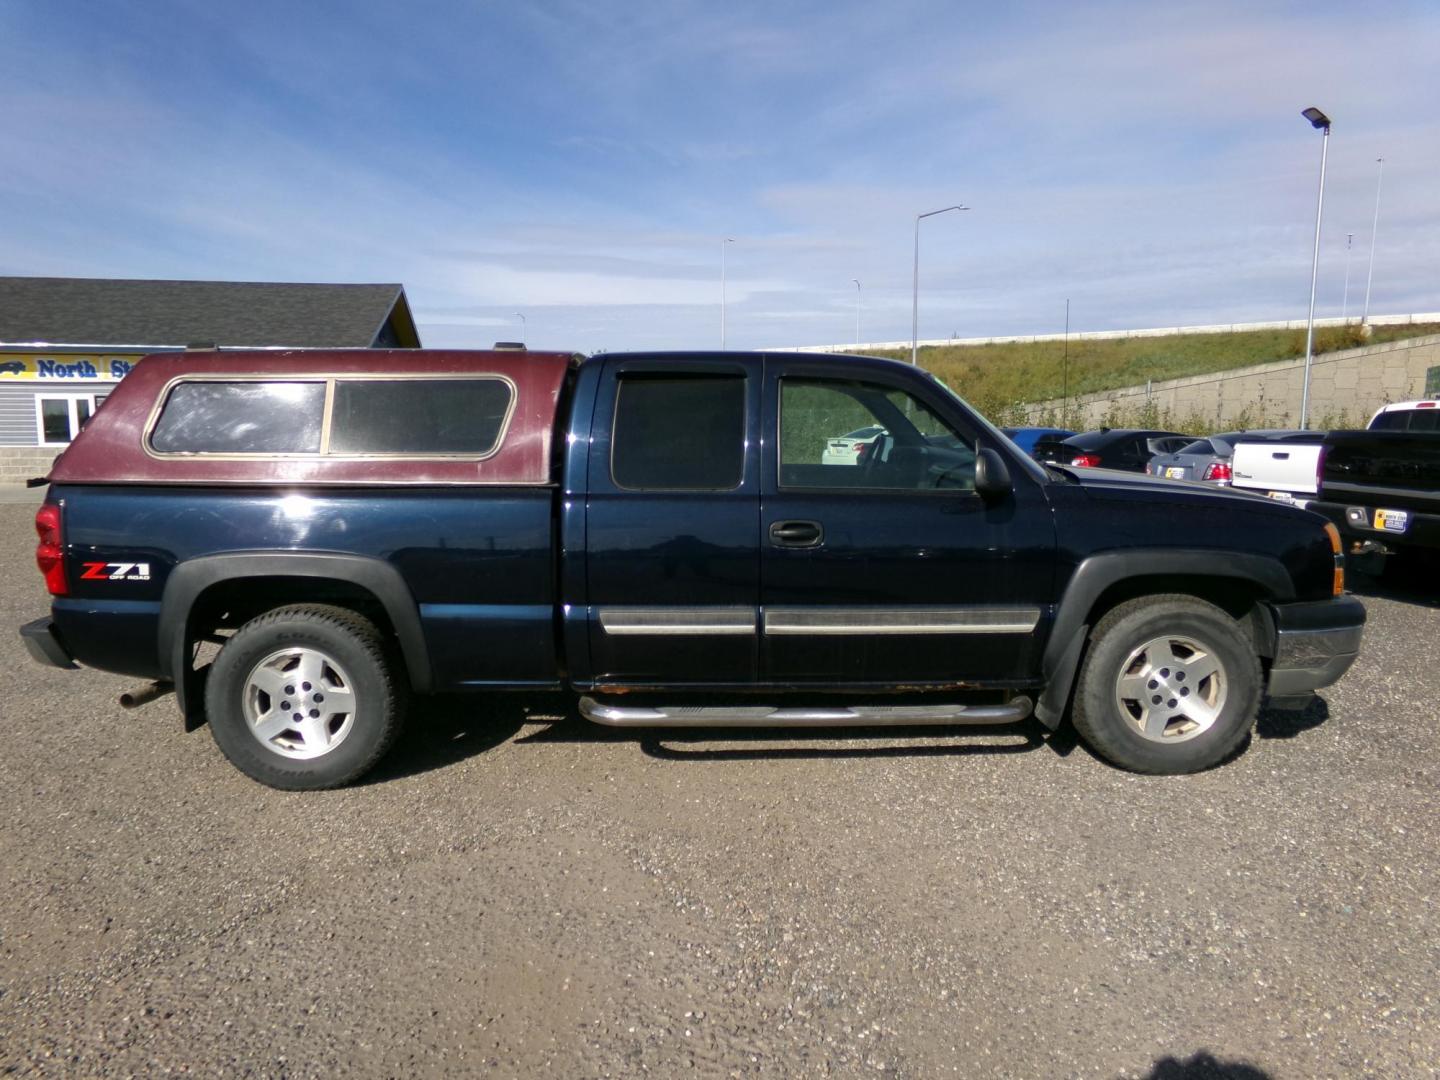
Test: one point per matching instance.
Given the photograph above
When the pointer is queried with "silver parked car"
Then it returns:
(1208, 459)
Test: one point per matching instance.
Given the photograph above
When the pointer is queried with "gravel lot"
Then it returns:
(559, 900)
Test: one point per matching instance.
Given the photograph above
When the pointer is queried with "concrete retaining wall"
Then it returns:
(1344, 387)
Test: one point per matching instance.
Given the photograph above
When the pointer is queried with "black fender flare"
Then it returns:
(1095, 574)
(379, 578)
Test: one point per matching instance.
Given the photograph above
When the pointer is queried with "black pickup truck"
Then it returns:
(710, 539)
(1381, 486)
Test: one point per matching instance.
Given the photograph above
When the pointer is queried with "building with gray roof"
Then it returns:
(65, 342)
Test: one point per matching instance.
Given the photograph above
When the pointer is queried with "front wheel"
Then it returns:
(305, 697)
(1171, 684)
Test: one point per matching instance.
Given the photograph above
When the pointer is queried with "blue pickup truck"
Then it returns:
(666, 536)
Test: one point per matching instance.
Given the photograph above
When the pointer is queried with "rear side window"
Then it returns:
(413, 417)
(419, 416)
(679, 433)
(242, 417)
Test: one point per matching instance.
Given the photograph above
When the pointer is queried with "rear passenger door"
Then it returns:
(672, 521)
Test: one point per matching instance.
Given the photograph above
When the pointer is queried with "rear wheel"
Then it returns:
(305, 697)
(1171, 684)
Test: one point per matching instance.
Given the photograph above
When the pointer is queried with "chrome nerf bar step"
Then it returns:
(763, 716)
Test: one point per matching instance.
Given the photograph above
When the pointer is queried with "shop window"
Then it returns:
(59, 417)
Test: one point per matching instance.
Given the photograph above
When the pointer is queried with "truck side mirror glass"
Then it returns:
(992, 475)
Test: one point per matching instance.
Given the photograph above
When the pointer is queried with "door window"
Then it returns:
(836, 433)
(679, 433)
(59, 417)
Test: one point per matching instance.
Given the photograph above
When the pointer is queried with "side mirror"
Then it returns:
(992, 475)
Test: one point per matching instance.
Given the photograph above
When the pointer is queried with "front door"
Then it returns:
(673, 512)
(880, 564)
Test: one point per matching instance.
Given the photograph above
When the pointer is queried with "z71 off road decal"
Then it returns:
(116, 571)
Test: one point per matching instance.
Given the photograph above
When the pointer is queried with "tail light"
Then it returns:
(1086, 461)
(49, 553)
(1217, 470)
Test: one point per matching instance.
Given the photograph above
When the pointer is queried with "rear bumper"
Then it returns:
(1356, 522)
(43, 644)
(1315, 644)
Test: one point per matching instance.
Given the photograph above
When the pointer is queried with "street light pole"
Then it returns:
(857, 311)
(1345, 297)
(1320, 122)
(727, 240)
(522, 322)
(1065, 368)
(1369, 274)
(915, 283)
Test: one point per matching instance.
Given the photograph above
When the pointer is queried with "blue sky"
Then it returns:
(582, 162)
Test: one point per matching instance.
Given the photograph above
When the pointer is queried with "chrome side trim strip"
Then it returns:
(827, 620)
(766, 716)
(677, 620)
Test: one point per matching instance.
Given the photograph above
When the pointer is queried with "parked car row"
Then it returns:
(1211, 459)
(1166, 454)
(1380, 487)
(1126, 449)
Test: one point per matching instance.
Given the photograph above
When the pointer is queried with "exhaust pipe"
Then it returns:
(133, 699)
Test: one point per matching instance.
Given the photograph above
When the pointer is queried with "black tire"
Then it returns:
(356, 668)
(1130, 643)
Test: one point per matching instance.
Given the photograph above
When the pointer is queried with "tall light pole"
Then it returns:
(517, 315)
(727, 240)
(1320, 122)
(1065, 367)
(915, 283)
(1345, 298)
(856, 280)
(1375, 225)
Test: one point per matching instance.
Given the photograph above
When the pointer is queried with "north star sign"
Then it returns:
(65, 368)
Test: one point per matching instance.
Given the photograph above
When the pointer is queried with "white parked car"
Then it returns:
(849, 449)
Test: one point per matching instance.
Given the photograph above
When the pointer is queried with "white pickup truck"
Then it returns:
(1289, 470)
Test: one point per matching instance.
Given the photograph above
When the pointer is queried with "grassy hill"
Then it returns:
(995, 378)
